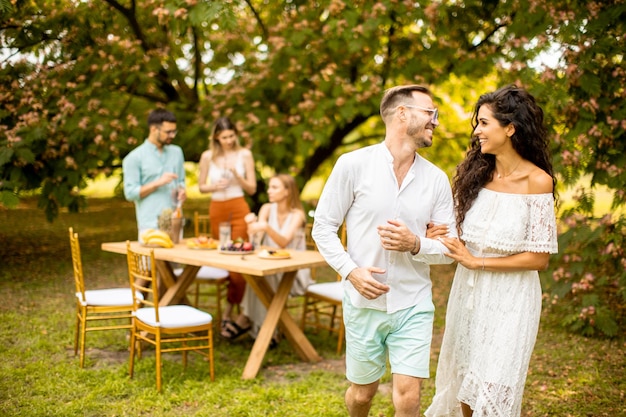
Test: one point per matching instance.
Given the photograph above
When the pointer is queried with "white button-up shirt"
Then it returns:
(362, 190)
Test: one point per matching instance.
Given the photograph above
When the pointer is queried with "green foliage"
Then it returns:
(300, 78)
(587, 281)
(303, 80)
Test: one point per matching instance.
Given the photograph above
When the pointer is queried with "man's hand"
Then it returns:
(365, 284)
(166, 178)
(396, 236)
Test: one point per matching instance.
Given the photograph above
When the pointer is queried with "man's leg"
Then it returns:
(406, 395)
(359, 399)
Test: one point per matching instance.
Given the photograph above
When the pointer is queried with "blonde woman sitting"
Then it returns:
(282, 223)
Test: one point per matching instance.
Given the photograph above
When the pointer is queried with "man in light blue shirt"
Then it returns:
(387, 194)
(154, 173)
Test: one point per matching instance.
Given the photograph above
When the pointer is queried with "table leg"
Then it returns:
(276, 312)
(176, 287)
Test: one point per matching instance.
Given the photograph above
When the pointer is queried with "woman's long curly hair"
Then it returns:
(510, 104)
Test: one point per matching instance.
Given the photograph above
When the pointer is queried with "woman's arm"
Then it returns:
(297, 222)
(282, 240)
(525, 261)
(205, 160)
(248, 181)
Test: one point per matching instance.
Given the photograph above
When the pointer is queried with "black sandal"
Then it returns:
(232, 330)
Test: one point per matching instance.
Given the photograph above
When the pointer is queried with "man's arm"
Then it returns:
(431, 250)
(133, 189)
(334, 203)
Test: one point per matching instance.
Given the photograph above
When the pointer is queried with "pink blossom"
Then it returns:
(180, 13)
(83, 123)
(70, 163)
(253, 118)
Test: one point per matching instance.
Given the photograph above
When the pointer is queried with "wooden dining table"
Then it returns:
(253, 268)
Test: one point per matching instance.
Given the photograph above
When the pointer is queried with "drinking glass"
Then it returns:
(257, 239)
(225, 231)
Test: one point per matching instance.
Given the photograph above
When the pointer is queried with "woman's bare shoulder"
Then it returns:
(246, 153)
(540, 182)
(206, 155)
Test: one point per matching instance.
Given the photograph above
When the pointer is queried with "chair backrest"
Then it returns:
(201, 224)
(79, 279)
(310, 243)
(143, 279)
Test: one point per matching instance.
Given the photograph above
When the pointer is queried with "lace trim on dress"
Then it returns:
(534, 231)
(487, 399)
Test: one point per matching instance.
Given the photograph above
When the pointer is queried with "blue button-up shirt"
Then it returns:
(145, 164)
(363, 190)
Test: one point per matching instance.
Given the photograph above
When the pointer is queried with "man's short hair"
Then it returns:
(395, 96)
(158, 116)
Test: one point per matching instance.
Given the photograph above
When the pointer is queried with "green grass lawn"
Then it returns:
(40, 376)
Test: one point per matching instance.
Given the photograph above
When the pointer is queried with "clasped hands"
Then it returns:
(396, 236)
(456, 248)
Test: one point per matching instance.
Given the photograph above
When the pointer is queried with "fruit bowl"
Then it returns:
(237, 247)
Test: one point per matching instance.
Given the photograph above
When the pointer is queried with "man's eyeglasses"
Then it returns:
(169, 132)
(434, 112)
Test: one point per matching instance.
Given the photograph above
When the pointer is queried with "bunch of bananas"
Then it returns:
(154, 237)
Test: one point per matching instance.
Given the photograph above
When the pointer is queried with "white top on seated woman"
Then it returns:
(281, 222)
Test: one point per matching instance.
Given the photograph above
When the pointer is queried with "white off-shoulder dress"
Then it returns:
(493, 317)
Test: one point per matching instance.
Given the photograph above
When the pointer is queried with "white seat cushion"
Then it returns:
(207, 272)
(108, 297)
(332, 290)
(174, 316)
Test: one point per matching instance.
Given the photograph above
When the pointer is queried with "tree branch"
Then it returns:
(129, 14)
(322, 153)
(197, 64)
(258, 19)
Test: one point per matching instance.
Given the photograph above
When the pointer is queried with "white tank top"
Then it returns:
(233, 190)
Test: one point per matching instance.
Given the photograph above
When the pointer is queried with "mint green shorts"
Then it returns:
(372, 335)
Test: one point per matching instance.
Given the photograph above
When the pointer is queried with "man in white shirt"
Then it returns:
(387, 194)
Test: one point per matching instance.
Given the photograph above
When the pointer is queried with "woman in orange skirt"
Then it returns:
(227, 172)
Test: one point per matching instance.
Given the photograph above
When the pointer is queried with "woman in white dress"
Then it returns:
(282, 223)
(504, 199)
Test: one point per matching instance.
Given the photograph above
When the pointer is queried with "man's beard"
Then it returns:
(418, 133)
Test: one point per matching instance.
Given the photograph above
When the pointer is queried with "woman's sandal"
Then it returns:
(232, 330)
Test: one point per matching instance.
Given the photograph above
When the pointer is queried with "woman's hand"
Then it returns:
(434, 231)
(459, 253)
(256, 227)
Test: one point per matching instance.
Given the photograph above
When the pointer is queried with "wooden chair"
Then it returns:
(114, 305)
(322, 303)
(207, 275)
(173, 328)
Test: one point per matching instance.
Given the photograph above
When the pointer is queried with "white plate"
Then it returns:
(236, 252)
